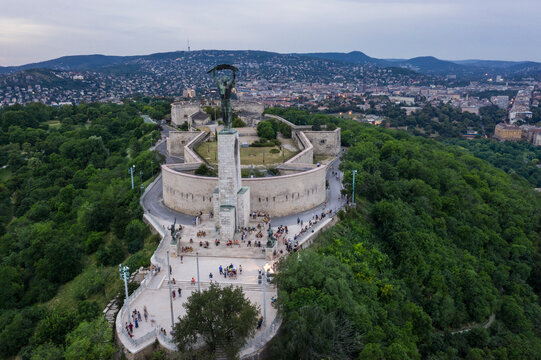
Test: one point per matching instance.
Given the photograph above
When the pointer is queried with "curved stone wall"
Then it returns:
(287, 194)
(187, 193)
(277, 195)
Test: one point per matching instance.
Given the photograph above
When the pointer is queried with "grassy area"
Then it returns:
(53, 123)
(249, 155)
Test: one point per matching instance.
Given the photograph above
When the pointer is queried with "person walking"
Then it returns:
(131, 327)
(181, 258)
(210, 277)
(179, 293)
(174, 294)
(170, 270)
(221, 270)
(240, 269)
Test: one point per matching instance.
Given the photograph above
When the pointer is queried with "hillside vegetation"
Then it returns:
(68, 217)
(439, 241)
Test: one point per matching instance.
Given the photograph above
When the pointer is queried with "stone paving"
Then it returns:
(156, 294)
(158, 303)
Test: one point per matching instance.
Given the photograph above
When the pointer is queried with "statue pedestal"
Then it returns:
(231, 200)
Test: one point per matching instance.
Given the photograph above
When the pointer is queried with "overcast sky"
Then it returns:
(36, 30)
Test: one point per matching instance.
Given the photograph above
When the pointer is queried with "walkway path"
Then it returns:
(154, 293)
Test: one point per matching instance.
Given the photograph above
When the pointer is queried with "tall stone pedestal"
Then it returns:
(231, 200)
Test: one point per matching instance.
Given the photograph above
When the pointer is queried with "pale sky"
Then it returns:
(36, 30)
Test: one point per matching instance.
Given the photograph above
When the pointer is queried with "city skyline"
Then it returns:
(450, 30)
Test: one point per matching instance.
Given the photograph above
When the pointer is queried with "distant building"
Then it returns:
(470, 109)
(528, 133)
(500, 101)
(402, 99)
(506, 132)
(410, 109)
(188, 93)
(182, 112)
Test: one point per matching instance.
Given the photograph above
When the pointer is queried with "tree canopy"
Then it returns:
(67, 210)
(222, 316)
(439, 240)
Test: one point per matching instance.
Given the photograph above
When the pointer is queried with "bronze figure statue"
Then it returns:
(225, 84)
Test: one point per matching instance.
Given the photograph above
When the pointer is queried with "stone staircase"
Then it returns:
(110, 311)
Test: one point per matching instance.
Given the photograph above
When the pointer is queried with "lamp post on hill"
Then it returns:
(125, 275)
(354, 173)
(131, 170)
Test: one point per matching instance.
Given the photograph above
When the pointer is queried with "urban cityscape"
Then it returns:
(308, 201)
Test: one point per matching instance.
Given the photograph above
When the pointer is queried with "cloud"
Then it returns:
(36, 30)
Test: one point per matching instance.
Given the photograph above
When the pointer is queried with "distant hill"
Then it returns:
(430, 64)
(76, 62)
(44, 77)
(424, 64)
(354, 57)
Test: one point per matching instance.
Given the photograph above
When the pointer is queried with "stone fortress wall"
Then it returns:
(306, 156)
(325, 142)
(182, 112)
(248, 106)
(300, 188)
(277, 195)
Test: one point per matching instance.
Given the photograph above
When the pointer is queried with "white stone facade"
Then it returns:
(182, 112)
(277, 195)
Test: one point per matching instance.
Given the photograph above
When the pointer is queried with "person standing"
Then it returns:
(221, 270)
(181, 258)
(174, 294)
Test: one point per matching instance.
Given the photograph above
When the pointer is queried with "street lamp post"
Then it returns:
(142, 188)
(170, 293)
(125, 275)
(198, 282)
(141, 176)
(264, 297)
(354, 173)
(131, 170)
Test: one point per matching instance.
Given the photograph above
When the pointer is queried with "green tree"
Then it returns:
(223, 317)
(47, 351)
(90, 341)
(266, 130)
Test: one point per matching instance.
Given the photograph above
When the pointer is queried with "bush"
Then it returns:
(266, 130)
(274, 151)
(141, 259)
(238, 123)
(94, 241)
(204, 170)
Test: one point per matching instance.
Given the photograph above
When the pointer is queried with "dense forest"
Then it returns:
(515, 158)
(439, 241)
(68, 217)
(445, 120)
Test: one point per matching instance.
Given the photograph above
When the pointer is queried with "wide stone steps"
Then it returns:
(187, 285)
(224, 251)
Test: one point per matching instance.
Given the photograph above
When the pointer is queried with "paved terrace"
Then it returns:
(154, 290)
